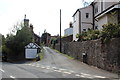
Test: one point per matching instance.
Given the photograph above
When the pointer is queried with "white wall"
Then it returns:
(103, 20)
(75, 26)
(86, 26)
(112, 18)
(108, 4)
(30, 53)
(86, 22)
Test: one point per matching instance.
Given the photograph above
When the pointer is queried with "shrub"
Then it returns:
(79, 36)
(90, 35)
(109, 31)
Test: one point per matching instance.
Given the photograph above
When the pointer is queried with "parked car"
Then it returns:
(4, 57)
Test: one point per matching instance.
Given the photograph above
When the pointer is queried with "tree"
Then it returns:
(0, 40)
(16, 27)
(86, 3)
(16, 43)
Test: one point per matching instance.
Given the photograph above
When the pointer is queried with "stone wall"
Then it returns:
(66, 39)
(105, 56)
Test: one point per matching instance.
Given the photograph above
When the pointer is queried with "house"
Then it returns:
(36, 38)
(82, 20)
(69, 31)
(106, 12)
(45, 38)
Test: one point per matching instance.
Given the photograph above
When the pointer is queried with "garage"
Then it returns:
(31, 50)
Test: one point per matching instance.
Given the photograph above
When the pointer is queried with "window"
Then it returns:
(101, 5)
(96, 27)
(96, 9)
(87, 15)
(84, 30)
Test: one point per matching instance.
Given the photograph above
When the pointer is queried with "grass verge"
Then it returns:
(70, 57)
(41, 54)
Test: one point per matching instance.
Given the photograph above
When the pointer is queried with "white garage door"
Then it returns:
(30, 53)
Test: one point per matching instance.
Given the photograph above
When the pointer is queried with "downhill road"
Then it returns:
(54, 65)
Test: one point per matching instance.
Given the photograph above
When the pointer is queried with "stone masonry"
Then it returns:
(105, 56)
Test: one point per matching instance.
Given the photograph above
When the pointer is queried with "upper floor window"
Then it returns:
(101, 5)
(87, 15)
(96, 9)
(84, 30)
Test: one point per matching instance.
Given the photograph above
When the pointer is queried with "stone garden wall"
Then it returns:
(105, 56)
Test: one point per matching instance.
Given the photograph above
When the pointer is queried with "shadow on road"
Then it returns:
(22, 62)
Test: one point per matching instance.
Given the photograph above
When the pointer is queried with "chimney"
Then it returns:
(31, 27)
(70, 24)
(26, 21)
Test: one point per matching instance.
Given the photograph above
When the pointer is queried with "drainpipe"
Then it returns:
(60, 33)
(93, 15)
(79, 21)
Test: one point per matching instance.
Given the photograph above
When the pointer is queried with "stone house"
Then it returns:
(36, 38)
(82, 20)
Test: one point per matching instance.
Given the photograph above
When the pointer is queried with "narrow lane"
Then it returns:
(53, 58)
(54, 65)
(13, 71)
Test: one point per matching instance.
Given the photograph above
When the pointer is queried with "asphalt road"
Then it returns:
(54, 65)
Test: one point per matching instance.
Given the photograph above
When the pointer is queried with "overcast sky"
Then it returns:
(43, 14)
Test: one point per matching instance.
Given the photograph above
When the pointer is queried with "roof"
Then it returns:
(36, 35)
(75, 12)
(26, 19)
(32, 46)
(54, 36)
(68, 28)
(80, 9)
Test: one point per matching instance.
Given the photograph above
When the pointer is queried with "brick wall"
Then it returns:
(105, 56)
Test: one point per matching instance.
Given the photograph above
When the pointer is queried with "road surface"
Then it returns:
(54, 65)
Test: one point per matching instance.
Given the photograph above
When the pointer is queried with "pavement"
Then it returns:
(54, 66)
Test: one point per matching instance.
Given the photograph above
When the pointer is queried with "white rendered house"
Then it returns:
(82, 20)
(106, 12)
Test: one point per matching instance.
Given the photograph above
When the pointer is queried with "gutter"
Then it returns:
(75, 12)
(93, 15)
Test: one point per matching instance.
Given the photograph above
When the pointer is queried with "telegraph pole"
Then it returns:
(60, 33)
